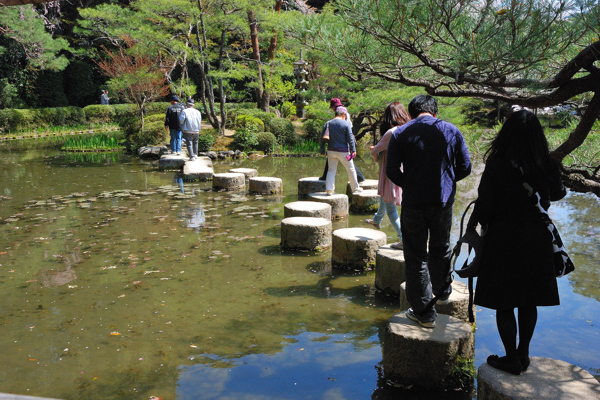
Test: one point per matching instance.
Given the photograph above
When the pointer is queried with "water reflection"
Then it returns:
(119, 281)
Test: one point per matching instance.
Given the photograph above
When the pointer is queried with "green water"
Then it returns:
(121, 282)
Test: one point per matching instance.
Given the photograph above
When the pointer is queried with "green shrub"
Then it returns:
(286, 109)
(266, 142)
(155, 108)
(245, 139)
(153, 133)
(24, 119)
(313, 128)
(205, 141)
(74, 116)
(283, 130)
(154, 118)
(319, 110)
(124, 111)
(99, 113)
(8, 120)
(249, 122)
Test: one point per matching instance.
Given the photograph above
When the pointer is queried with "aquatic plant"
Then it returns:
(101, 142)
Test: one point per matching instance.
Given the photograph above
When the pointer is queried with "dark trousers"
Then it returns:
(427, 272)
(359, 175)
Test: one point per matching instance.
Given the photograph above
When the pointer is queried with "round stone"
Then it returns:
(389, 270)
(229, 181)
(355, 248)
(265, 185)
(338, 203)
(367, 184)
(544, 379)
(307, 209)
(248, 172)
(306, 233)
(456, 306)
(310, 185)
(423, 357)
(366, 201)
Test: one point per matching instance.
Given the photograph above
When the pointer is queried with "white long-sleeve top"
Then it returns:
(190, 120)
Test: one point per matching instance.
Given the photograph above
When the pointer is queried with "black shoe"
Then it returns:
(525, 361)
(504, 364)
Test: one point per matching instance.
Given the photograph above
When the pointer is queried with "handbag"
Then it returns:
(325, 137)
(470, 267)
(562, 262)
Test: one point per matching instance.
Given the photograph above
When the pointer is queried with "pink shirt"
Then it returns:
(386, 188)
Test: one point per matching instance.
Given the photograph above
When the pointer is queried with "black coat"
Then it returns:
(517, 267)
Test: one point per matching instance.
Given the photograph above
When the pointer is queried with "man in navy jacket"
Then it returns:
(433, 156)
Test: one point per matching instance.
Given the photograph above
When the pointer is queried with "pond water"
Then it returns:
(121, 282)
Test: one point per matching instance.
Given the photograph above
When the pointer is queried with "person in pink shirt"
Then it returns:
(390, 195)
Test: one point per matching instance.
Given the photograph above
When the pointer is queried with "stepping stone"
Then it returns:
(423, 357)
(458, 304)
(307, 209)
(355, 248)
(248, 172)
(544, 379)
(389, 270)
(366, 201)
(265, 185)
(306, 233)
(171, 161)
(338, 203)
(229, 181)
(200, 169)
(310, 185)
(367, 184)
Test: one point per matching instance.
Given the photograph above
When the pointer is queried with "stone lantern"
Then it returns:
(301, 73)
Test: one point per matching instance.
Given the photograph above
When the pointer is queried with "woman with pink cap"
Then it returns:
(333, 104)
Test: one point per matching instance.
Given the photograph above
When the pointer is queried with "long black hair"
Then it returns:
(521, 140)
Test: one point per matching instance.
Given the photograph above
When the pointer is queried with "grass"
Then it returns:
(95, 143)
(303, 147)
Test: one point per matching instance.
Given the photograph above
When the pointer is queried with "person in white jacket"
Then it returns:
(190, 120)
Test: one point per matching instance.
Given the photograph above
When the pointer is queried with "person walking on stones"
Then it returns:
(341, 148)
(333, 104)
(390, 195)
(190, 120)
(104, 99)
(517, 267)
(172, 124)
(426, 157)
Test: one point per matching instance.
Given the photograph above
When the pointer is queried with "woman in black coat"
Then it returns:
(517, 267)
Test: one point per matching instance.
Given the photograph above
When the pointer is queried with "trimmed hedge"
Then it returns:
(205, 141)
(266, 142)
(283, 130)
(32, 119)
(249, 122)
(313, 128)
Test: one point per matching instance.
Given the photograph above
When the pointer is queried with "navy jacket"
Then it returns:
(433, 156)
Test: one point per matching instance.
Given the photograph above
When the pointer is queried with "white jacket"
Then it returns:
(190, 120)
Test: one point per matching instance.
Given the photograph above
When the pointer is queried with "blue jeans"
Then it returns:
(175, 140)
(392, 213)
(426, 272)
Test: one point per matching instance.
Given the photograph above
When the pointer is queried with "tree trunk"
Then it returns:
(256, 57)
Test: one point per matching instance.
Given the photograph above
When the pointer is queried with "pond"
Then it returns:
(121, 282)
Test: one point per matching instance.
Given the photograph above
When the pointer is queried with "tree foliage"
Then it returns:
(534, 53)
(134, 74)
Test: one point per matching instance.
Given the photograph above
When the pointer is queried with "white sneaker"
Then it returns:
(358, 190)
(330, 193)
